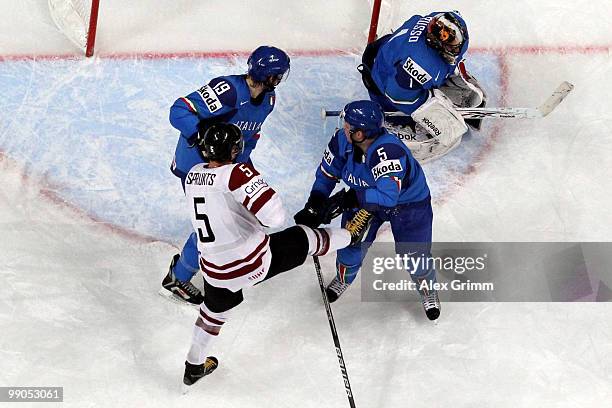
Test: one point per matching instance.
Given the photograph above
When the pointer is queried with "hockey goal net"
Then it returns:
(77, 19)
(387, 15)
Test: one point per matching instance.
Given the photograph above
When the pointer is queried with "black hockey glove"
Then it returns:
(193, 140)
(350, 200)
(338, 203)
(197, 139)
(313, 212)
(334, 206)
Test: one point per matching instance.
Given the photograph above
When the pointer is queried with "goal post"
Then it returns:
(372, 33)
(388, 15)
(77, 20)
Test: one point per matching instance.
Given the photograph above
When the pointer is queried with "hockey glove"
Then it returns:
(312, 215)
(338, 203)
(350, 200)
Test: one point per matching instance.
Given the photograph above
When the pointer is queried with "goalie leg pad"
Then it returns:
(439, 117)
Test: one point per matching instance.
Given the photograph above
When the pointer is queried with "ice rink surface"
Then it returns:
(91, 215)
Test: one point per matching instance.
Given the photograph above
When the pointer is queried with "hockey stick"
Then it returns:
(507, 113)
(332, 326)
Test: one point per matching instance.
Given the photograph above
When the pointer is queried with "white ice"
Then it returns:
(91, 216)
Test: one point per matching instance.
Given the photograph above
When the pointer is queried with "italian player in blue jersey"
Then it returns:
(419, 70)
(243, 100)
(386, 184)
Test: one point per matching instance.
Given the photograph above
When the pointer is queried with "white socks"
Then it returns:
(323, 240)
(206, 329)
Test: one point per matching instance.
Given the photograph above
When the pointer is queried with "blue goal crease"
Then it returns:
(100, 130)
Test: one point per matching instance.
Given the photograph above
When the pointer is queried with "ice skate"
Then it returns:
(335, 289)
(431, 305)
(195, 372)
(184, 292)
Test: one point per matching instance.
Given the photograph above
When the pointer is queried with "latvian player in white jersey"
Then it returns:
(231, 205)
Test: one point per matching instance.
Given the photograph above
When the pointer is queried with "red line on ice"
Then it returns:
(502, 52)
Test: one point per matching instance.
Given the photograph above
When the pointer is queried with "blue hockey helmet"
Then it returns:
(268, 64)
(447, 33)
(364, 115)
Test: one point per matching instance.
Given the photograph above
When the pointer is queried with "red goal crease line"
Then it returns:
(146, 55)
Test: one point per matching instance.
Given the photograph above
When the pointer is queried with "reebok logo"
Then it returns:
(386, 167)
(432, 127)
(210, 98)
(416, 71)
(406, 137)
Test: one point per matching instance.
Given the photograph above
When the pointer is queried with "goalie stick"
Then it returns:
(506, 113)
(332, 326)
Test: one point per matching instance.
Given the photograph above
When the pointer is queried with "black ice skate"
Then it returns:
(183, 291)
(335, 289)
(195, 372)
(359, 225)
(431, 305)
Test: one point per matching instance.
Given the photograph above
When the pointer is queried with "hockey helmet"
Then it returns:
(220, 141)
(364, 115)
(268, 65)
(447, 33)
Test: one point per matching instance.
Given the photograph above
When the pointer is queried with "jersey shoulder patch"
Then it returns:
(218, 93)
(272, 98)
(335, 143)
(241, 174)
(386, 159)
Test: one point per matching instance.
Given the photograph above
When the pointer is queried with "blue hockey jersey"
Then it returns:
(406, 68)
(224, 99)
(386, 176)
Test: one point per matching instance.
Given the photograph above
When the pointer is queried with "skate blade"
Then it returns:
(209, 360)
(166, 294)
(185, 388)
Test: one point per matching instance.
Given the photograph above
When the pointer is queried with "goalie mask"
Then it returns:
(447, 34)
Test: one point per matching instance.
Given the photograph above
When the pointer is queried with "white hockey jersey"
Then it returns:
(230, 205)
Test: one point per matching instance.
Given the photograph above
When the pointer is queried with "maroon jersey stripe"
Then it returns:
(246, 259)
(261, 201)
(245, 270)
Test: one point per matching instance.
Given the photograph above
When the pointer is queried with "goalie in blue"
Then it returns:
(386, 184)
(243, 100)
(419, 70)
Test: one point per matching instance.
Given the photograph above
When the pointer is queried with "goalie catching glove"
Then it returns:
(465, 92)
